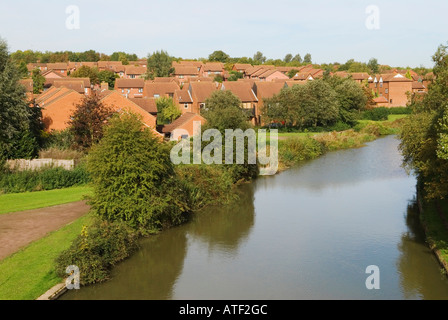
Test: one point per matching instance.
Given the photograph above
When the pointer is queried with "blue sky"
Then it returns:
(409, 31)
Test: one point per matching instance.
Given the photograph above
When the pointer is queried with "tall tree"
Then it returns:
(159, 65)
(87, 122)
(86, 72)
(259, 57)
(307, 58)
(297, 58)
(108, 76)
(219, 56)
(373, 66)
(15, 113)
(288, 58)
(38, 81)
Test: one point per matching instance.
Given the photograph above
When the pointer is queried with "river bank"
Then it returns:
(433, 217)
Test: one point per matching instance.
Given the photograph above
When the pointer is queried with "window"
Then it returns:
(387, 91)
(381, 84)
(132, 76)
(156, 96)
(171, 95)
(202, 105)
(390, 100)
(181, 76)
(186, 105)
(122, 90)
(140, 90)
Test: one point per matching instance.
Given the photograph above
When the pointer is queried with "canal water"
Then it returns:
(307, 233)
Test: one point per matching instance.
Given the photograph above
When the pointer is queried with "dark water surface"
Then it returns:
(307, 233)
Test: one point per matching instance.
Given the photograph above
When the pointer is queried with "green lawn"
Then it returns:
(33, 200)
(29, 273)
(393, 117)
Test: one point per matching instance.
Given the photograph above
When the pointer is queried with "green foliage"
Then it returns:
(167, 110)
(218, 78)
(400, 110)
(223, 111)
(373, 66)
(296, 149)
(206, 185)
(16, 117)
(62, 140)
(288, 58)
(376, 114)
(96, 250)
(159, 65)
(307, 58)
(109, 77)
(259, 58)
(42, 179)
(87, 72)
(38, 81)
(291, 74)
(310, 105)
(219, 56)
(235, 75)
(134, 179)
(23, 69)
(355, 66)
(297, 58)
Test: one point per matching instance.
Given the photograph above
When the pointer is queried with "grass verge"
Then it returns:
(34, 200)
(29, 273)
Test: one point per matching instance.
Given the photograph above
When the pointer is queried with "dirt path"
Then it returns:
(21, 228)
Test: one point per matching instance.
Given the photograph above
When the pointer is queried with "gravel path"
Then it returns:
(19, 229)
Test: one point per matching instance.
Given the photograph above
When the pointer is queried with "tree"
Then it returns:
(133, 178)
(307, 58)
(373, 66)
(159, 65)
(23, 69)
(291, 73)
(288, 58)
(223, 111)
(297, 58)
(310, 105)
(219, 56)
(86, 72)
(123, 58)
(167, 110)
(109, 77)
(87, 122)
(15, 113)
(423, 136)
(218, 78)
(235, 75)
(350, 97)
(259, 58)
(38, 81)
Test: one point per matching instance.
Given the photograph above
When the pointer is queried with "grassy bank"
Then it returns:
(33, 200)
(29, 273)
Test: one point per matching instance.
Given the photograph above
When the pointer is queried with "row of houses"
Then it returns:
(192, 84)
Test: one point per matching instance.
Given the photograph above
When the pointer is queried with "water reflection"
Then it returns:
(420, 275)
(226, 227)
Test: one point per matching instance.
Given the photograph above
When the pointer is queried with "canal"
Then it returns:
(307, 233)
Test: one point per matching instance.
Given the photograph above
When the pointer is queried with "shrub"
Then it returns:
(133, 177)
(339, 126)
(206, 185)
(376, 114)
(42, 179)
(294, 150)
(98, 248)
(400, 110)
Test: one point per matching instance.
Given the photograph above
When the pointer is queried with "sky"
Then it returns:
(396, 32)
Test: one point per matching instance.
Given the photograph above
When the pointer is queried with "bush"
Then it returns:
(294, 150)
(42, 179)
(133, 177)
(376, 114)
(339, 126)
(98, 248)
(206, 185)
(400, 110)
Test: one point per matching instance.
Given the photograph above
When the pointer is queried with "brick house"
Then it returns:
(185, 73)
(131, 88)
(200, 92)
(244, 92)
(393, 87)
(182, 128)
(265, 90)
(183, 100)
(160, 89)
(134, 72)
